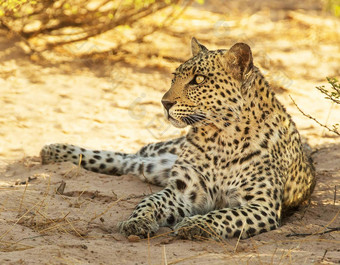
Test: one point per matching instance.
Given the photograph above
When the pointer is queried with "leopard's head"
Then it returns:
(208, 87)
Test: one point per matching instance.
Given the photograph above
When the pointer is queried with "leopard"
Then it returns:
(238, 170)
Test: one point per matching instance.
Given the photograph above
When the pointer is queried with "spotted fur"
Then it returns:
(238, 168)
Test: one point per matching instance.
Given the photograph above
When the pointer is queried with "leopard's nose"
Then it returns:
(168, 104)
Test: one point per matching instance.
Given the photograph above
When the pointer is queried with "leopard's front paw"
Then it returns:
(141, 227)
(193, 228)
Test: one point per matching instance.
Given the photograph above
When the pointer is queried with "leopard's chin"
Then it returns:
(177, 123)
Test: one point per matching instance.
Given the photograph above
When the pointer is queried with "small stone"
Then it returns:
(61, 188)
(133, 238)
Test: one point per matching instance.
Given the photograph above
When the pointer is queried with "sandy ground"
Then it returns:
(115, 104)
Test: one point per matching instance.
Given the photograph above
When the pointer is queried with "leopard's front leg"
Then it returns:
(182, 197)
(245, 221)
(165, 208)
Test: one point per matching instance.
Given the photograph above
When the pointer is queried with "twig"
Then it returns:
(164, 256)
(334, 194)
(329, 230)
(23, 196)
(328, 95)
(239, 238)
(149, 250)
(75, 230)
(324, 255)
(312, 118)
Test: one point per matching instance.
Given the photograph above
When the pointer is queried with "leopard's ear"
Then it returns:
(197, 47)
(239, 60)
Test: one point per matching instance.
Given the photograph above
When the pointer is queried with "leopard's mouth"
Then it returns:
(177, 123)
(187, 120)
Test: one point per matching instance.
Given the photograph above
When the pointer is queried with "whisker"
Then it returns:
(194, 118)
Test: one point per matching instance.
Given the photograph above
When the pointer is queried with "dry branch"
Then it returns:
(68, 21)
(312, 118)
(329, 230)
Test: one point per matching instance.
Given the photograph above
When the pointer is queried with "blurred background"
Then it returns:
(92, 73)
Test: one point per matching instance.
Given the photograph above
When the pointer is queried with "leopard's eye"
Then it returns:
(198, 79)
